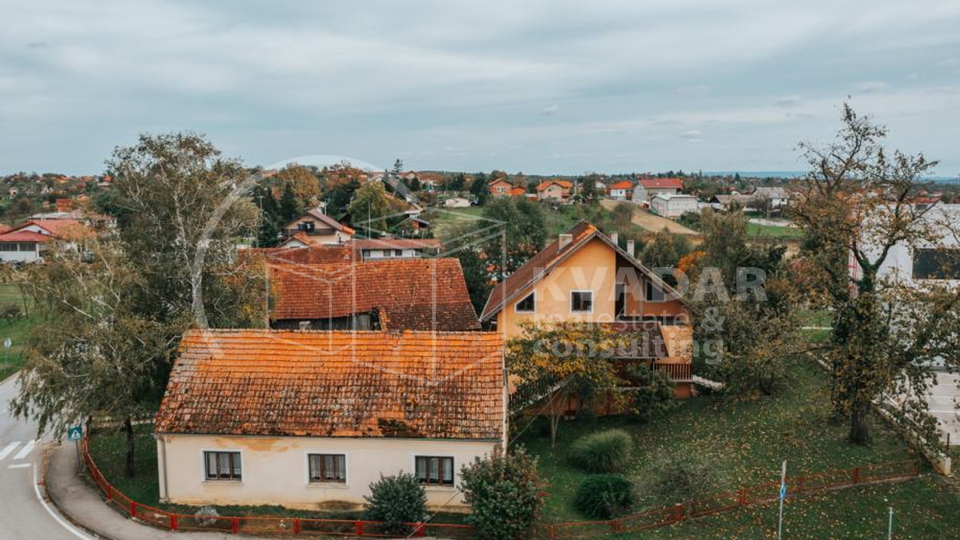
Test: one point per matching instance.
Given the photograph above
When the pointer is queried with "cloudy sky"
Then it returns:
(539, 87)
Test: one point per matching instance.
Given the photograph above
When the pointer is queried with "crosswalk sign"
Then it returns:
(75, 433)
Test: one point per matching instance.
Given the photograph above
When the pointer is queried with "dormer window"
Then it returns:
(528, 304)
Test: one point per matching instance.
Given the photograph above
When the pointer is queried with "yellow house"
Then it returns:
(307, 419)
(585, 276)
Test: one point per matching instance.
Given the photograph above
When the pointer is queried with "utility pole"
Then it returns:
(783, 495)
(890, 525)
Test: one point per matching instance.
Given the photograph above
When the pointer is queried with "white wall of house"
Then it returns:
(642, 194)
(673, 206)
(618, 194)
(25, 252)
(899, 265)
(456, 202)
(375, 254)
(275, 470)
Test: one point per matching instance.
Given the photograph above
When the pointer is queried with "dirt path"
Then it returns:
(651, 222)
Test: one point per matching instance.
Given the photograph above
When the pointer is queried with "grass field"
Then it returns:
(16, 329)
(747, 440)
(774, 231)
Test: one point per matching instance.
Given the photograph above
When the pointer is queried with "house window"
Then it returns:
(398, 253)
(327, 467)
(306, 226)
(434, 470)
(936, 264)
(8, 246)
(527, 305)
(223, 465)
(653, 292)
(581, 301)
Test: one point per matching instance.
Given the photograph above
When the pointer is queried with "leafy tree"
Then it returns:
(752, 332)
(588, 188)
(660, 251)
(478, 188)
(525, 233)
(683, 477)
(557, 362)
(172, 186)
(304, 184)
(371, 206)
(505, 494)
(96, 354)
(604, 496)
(290, 208)
(623, 214)
(396, 500)
(398, 167)
(271, 220)
(650, 392)
(459, 182)
(859, 202)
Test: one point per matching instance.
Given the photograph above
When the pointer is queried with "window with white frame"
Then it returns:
(223, 465)
(528, 304)
(581, 301)
(327, 467)
(434, 470)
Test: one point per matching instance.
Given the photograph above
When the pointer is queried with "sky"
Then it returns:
(547, 87)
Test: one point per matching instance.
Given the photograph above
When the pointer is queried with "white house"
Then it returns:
(673, 206)
(27, 242)
(319, 227)
(621, 191)
(937, 262)
(647, 188)
(777, 196)
(309, 419)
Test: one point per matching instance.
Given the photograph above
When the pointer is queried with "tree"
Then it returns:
(95, 355)
(660, 251)
(270, 219)
(859, 203)
(370, 206)
(651, 392)
(304, 184)
(505, 494)
(588, 188)
(459, 182)
(171, 187)
(290, 208)
(557, 362)
(751, 331)
(623, 214)
(478, 188)
(525, 234)
(398, 167)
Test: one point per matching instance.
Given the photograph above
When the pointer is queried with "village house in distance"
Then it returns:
(309, 419)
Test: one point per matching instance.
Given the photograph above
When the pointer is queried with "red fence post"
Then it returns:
(358, 526)
(109, 492)
(678, 512)
(856, 475)
(742, 497)
(236, 525)
(617, 526)
(553, 532)
(421, 530)
(296, 526)
(133, 509)
(173, 522)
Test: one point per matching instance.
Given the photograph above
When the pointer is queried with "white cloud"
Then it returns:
(550, 110)
(788, 101)
(949, 62)
(873, 87)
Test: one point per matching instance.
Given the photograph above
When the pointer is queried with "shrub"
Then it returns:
(505, 494)
(651, 393)
(683, 478)
(604, 496)
(396, 500)
(602, 452)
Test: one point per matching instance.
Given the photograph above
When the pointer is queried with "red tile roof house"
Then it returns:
(318, 227)
(648, 188)
(621, 191)
(554, 190)
(585, 276)
(500, 188)
(309, 419)
(28, 241)
(386, 295)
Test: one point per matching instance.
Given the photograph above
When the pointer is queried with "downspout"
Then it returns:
(164, 494)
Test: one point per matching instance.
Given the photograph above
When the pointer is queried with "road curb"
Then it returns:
(47, 495)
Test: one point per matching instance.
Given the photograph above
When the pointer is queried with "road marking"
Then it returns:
(55, 515)
(25, 451)
(6, 451)
(19, 466)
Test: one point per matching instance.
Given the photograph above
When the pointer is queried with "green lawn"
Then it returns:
(775, 231)
(16, 329)
(747, 440)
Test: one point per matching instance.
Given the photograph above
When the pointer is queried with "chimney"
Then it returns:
(631, 248)
(615, 237)
(565, 240)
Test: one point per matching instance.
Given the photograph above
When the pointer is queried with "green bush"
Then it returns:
(683, 478)
(505, 495)
(604, 496)
(602, 452)
(396, 500)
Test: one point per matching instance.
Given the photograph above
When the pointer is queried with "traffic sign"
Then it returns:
(75, 433)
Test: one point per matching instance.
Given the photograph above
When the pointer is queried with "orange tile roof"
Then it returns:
(518, 192)
(312, 254)
(653, 183)
(337, 384)
(623, 184)
(413, 294)
(26, 236)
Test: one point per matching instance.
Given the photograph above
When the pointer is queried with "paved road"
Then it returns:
(23, 516)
